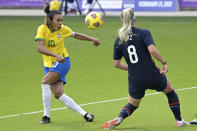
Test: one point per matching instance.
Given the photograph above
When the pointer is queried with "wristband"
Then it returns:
(164, 63)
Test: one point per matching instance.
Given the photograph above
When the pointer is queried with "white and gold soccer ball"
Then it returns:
(94, 20)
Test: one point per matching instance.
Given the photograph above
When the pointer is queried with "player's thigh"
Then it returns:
(137, 89)
(50, 78)
(158, 82)
(57, 89)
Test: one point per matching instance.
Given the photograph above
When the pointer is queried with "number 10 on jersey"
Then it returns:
(132, 54)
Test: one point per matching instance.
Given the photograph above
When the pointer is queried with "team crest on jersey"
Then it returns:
(58, 35)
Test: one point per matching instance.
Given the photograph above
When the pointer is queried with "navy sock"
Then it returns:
(174, 104)
(127, 110)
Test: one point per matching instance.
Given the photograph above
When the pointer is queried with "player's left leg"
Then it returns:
(127, 110)
(174, 104)
(59, 94)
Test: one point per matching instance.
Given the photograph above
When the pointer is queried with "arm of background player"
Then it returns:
(45, 51)
(119, 64)
(156, 54)
(80, 36)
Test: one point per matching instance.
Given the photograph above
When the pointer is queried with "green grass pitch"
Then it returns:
(92, 77)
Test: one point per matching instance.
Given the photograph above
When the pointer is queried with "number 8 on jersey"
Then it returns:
(132, 54)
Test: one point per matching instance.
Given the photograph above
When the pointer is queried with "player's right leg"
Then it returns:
(49, 78)
(134, 98)
(127, 110)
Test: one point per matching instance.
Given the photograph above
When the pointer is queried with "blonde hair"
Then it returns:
(128, 17)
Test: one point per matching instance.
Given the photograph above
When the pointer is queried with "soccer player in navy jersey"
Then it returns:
(136, 45)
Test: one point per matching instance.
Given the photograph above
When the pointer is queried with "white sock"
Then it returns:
(46, 98)
(71, 6)
(70, 103)
(88, 6)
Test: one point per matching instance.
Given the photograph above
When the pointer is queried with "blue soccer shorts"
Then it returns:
(61, 68)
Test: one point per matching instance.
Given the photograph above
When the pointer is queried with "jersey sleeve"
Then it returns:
(40, 33)
(67, 31)
(148, 39)
(117, 53)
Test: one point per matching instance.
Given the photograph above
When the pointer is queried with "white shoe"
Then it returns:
(113, 123)
(182, 123)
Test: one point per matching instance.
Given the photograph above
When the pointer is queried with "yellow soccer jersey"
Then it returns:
(53, 41)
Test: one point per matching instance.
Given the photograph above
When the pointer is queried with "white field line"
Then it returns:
(91, 103)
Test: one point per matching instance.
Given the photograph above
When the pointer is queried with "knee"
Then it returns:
(168, 89)
(134, 103)
(58, 94)
(57, 89)
(44, 81)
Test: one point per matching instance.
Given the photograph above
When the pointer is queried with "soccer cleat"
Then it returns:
(89, 117)
(45, 120)
(182, 123)
(194, 122)
(113, 123)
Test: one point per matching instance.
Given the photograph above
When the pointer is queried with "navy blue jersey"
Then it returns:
(140, 64)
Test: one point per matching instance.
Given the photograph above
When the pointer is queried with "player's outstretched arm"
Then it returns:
(156, 54)
(119, 64)
(81, 36)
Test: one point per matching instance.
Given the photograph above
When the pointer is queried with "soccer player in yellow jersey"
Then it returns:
(50, 43)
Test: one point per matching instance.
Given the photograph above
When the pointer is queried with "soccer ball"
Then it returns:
(93, 20)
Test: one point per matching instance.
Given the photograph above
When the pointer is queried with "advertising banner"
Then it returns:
(188, 3)
(107, 5)
(138, 5)
(31, 3)
(156, 5)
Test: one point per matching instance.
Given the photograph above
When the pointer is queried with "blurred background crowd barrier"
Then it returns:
(111, 5)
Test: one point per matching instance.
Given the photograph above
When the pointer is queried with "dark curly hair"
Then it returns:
(49, 14)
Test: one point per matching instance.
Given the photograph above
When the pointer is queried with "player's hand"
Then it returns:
(96, 42)
(164, 69)
(60, 59)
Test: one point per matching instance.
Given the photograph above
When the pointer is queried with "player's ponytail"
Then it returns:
(127, 16)
(46, 8)
(47, 11)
